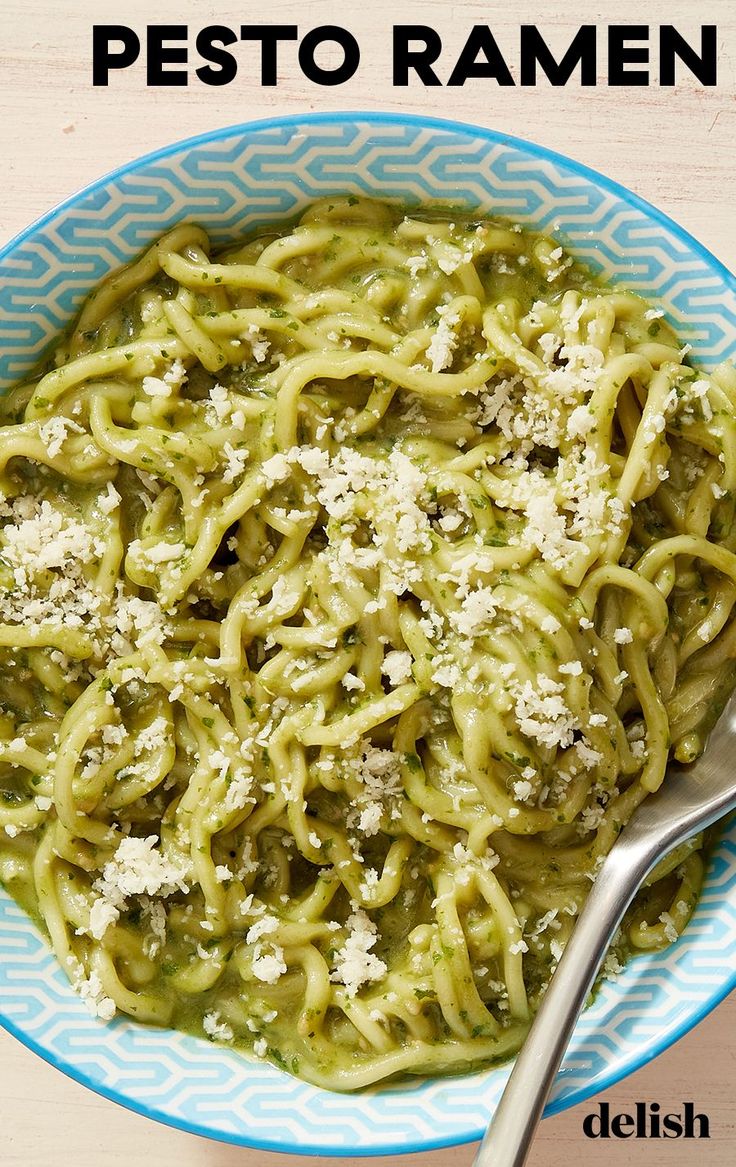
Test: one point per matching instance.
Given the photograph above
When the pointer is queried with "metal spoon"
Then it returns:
(690, 799)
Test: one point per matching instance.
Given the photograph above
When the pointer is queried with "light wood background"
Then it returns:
(674, 147)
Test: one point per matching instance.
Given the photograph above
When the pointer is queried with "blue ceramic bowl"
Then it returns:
(231, 181)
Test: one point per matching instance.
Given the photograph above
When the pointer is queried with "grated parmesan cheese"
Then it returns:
(355, 964)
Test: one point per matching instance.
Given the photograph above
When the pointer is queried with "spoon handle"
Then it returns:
(509, 1136)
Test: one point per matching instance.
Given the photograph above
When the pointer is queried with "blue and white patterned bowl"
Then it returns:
(230, 181)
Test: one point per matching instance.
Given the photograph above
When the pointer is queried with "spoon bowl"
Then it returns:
(689, 800)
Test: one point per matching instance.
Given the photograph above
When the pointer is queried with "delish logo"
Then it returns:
(646, 1123)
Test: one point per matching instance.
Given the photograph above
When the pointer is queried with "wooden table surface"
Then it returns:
(674, 147)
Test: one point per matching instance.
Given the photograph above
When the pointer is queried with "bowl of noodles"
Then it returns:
(367, 487)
